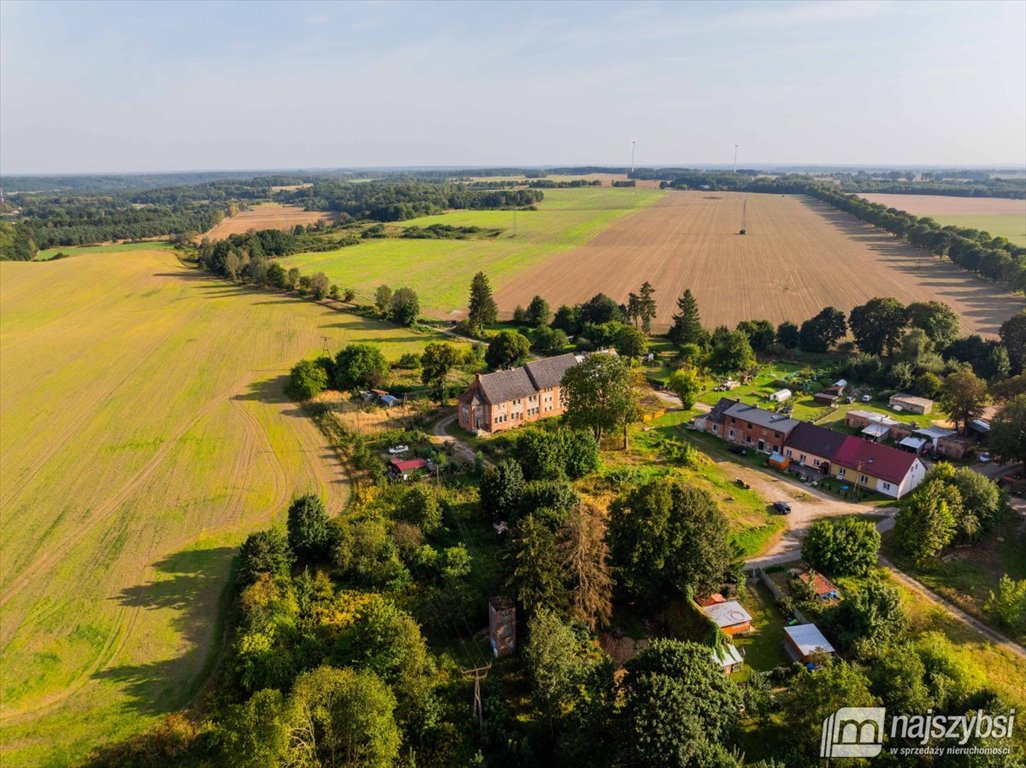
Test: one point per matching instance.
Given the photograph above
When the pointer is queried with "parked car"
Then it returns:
(984, 458)
(866, 398)
(782, 507)
(740, 450)
(395, 450)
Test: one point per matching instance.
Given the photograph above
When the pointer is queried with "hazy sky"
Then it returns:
(150, 86)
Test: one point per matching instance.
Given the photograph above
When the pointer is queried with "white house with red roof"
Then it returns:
(877, 467)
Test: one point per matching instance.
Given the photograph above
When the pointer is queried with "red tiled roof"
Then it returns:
(405, 465)
(820, 583)
(875, 460)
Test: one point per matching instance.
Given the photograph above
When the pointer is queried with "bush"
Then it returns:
(306, 380)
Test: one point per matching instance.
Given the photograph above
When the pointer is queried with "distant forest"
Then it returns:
(46, 220)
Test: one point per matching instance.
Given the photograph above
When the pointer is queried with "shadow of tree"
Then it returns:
(192, 584)
(987, 304)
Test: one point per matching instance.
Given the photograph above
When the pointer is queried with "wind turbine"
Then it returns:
(633, 142)
(735, 157)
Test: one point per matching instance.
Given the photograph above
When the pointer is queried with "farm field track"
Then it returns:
(799, 255)
(1000, 216)
(440, 270)
(145, 433)
(265, 216)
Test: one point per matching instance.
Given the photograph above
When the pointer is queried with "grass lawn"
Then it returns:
(764, 648)
(440, 270)
(966, 576)
(753, 526)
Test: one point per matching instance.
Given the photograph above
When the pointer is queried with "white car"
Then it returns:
(395, 450)
(866, 398)
(984, 458)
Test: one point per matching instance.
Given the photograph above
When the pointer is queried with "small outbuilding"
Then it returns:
(730, 616)
(914, 444)
(876, 431)
(804, 642)
(728, 657)
(403, 469)
(821, 585)
(825, 398)
(778, 461)
(911, 403)
(780, 395)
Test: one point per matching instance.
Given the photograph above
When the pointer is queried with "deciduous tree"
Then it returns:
(926, 523)
(824, 330)
(878, 324)
(842, 547)
(437, 362)
(685, 383)
(667, 537)
(963, 396)
(404, 307)
(360, 365)
(600, 395)
(507, 349)
(1008, 430)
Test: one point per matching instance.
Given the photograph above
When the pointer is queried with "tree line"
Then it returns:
(400, 200)
(994, 258)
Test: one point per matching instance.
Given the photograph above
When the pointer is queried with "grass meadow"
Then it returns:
(75, 250)
(1009, 226)
(440, 270)
(145, 432)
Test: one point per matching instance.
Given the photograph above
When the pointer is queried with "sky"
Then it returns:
(133, 87)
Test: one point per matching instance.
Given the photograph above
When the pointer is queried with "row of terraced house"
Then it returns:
(865, 463)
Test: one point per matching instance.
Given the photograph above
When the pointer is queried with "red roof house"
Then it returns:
(877, 467)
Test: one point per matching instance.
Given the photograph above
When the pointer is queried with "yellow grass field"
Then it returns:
(265, 216)
(144, 433)
(798, 256)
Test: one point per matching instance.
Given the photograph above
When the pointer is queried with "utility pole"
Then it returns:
(479, 673)
(633, 143)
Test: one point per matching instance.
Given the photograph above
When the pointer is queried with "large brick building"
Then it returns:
(506, 399)
(747, 425)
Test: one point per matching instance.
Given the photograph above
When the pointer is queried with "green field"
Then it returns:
(75, 250)
(440, 270)
(1012, 227)
(144, 434)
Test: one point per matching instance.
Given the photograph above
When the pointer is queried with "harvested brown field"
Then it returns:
(267, 216)
(931, 205)
(799, 255)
